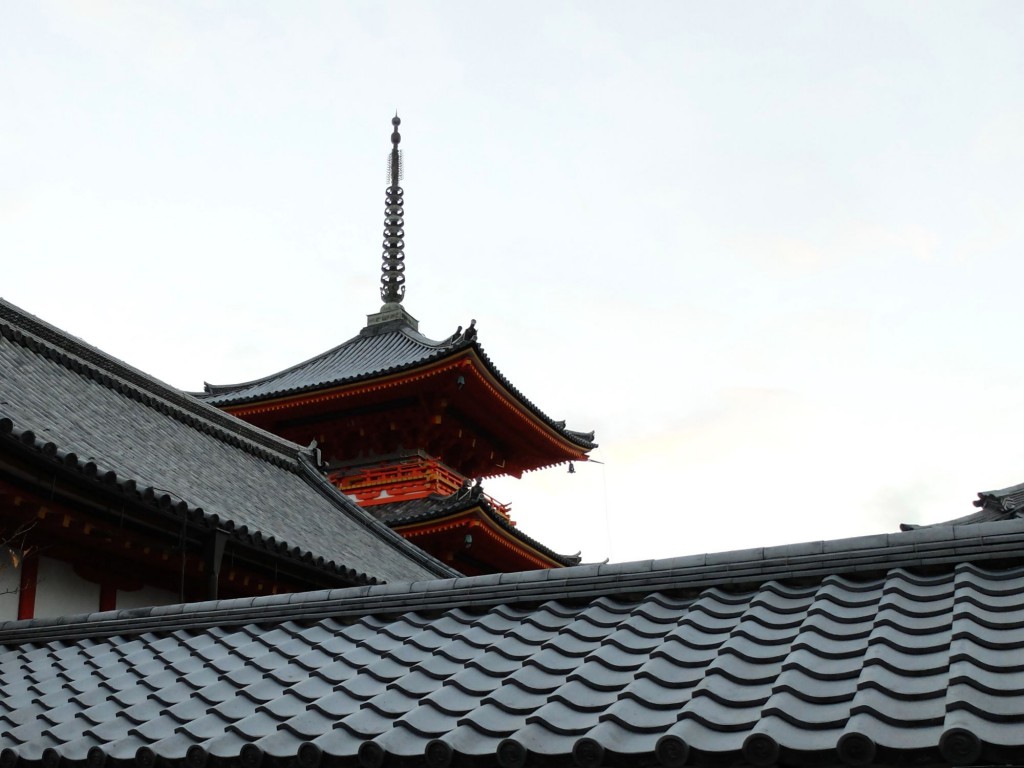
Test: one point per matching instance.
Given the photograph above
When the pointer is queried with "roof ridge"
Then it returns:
(858, 557)
(321, 483)
(75, 354)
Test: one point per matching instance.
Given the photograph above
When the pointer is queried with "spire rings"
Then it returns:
(392, 280)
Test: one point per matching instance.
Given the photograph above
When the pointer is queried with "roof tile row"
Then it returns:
(900, 666)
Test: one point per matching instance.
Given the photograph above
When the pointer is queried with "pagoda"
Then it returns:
(409, 426)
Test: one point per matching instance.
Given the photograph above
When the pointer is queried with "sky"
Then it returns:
(769, 251)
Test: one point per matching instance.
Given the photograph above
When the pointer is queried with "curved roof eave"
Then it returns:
(458, 506)
(257, 390)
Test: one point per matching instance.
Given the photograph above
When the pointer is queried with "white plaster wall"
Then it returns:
(10, 580)
(145, 597)
(62, 592)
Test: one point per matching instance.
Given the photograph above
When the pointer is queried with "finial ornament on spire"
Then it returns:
(392, 279)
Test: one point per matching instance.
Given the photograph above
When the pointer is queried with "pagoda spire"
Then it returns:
(392, 270)
(392, 279)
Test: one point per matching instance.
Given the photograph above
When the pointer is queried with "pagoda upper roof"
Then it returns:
(377, 351)
(139, 440)
(435, 507)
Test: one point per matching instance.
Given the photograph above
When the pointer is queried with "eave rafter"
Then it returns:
(475, 521)
(543, 444)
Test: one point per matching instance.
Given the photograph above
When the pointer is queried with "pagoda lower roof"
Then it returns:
(378, 351)
(72, 410)
(435, 507)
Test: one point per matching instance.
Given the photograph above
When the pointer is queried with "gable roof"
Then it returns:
(377, 351)
(74, 406)
(901, 648)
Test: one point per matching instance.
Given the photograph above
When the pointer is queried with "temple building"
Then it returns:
(119, 491)
(409, 426)
(318, 637)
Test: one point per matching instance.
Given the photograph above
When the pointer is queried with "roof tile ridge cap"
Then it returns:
(94, 358)
(421, 338)
(175, 613)
(217, 390)
(652, 575)
(1004, 491)
(530, 405)
(319, 481)
(998, 496)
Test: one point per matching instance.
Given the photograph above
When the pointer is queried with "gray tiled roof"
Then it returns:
(435, 506)
(1010, 500)
(1004, 504)
(377, 351)
(68, 403)
(899, 649)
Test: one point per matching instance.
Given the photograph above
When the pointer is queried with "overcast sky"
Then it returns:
(770, 251)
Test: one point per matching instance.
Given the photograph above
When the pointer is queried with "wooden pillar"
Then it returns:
(108, 596)
(214, 556)
(27, 588)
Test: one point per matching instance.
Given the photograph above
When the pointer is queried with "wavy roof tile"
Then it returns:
(894, 649)
(67, 402)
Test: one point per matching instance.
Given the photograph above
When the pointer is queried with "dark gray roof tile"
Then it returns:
(642, 716)
(800, 737)
(308, 725)
(707, 735)
(255, 726)
(407, 742)
(522, 692)
(339, 742)
(502, 721)
(541, 739)
(429, 722)
(227, 745)
(622, 740)
(902, 659)
(339, 703)
(825, 715)
(214, 469)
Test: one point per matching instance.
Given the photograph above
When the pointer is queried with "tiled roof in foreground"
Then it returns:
(903, 649)
(69, 405)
